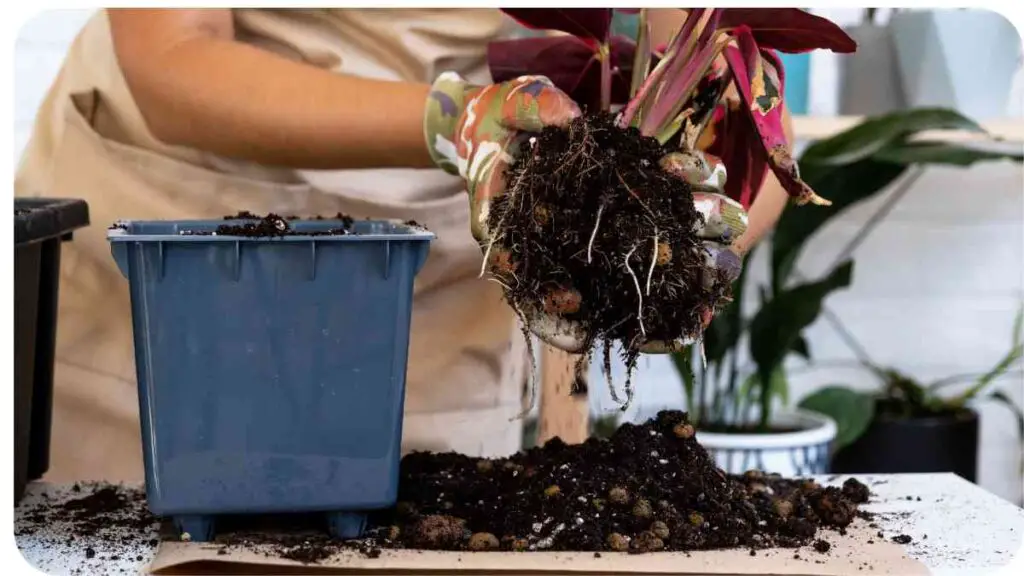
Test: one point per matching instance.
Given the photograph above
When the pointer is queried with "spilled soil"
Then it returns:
(91, 527)
(590, 212)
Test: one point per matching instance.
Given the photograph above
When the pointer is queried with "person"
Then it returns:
(189, 113)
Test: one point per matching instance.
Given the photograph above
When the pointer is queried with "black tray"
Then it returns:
(40, 225)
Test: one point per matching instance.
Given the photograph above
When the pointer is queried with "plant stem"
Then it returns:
(604, 54)
(634, 105)
(733, 376)
(642, 58)
(703, 389)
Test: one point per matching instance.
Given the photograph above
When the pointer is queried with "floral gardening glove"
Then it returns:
(475, 132)
(724, 222)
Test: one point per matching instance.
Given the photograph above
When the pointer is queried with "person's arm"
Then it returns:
(196, 86)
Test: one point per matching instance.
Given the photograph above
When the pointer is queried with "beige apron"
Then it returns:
(466, 358)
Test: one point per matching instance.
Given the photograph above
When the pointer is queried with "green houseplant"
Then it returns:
(909, 426)
(736, 377)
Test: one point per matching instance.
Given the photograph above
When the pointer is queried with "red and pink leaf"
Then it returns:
(592, 23)
(770, 132)
(737, 144)
(675, 56)
(789, 30)
(751, 60)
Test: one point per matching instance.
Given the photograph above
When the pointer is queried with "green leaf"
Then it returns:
(940, 153)
(1001, 397)
(845, 187)
(778, 324)
(852, 411)
(801, 347)
(870, 136)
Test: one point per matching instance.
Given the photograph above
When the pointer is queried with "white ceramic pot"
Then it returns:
(791, 454)
(959, 59)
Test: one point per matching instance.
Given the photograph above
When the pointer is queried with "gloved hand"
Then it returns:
(475, 132)
(724, 222)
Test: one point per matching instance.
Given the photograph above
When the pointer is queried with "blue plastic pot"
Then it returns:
(271, 371)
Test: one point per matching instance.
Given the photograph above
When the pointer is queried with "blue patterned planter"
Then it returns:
(792, 454)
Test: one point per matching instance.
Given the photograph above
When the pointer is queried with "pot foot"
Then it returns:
(346, 525)
(200, 528)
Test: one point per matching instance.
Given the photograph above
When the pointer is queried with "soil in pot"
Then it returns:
(717, 428)
(270, 226)
(590, 211)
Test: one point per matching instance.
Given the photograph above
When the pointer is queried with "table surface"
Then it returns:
(957, 528)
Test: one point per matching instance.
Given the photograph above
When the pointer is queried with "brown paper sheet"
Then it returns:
(850, 554)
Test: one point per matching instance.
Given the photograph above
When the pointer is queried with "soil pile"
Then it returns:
(651, 487)
(590, 210)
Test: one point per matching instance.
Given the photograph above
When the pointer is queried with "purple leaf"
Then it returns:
(563, 59)
(790, 30)
(571, 64)
(586, 23)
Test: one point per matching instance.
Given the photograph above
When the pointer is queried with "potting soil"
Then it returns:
(650, 487)
(589, 210)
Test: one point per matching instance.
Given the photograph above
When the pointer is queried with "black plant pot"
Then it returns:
(892, 445)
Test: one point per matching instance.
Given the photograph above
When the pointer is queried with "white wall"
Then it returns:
(936, 285)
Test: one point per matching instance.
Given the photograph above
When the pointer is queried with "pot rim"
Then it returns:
(817, 429)
(964, 416)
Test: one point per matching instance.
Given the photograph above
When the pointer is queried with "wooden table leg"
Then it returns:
(562, 414)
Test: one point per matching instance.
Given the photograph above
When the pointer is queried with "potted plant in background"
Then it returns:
(907, 426)
(735, 383)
